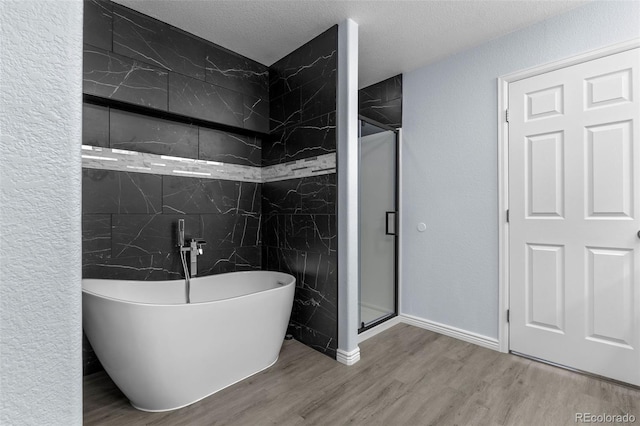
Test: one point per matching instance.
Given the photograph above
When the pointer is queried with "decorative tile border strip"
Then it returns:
(313, 166)
(138, 162)
(94, 157)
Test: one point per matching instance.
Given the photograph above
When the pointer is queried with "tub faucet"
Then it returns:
(195, 250)
(194, 247)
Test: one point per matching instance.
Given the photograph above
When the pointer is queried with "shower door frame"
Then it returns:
(396, 263)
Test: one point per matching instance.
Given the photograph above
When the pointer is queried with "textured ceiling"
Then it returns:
(395, 36)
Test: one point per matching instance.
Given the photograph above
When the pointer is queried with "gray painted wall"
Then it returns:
(450, 160)
(40, 132)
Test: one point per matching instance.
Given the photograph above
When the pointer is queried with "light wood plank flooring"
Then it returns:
(407, 376)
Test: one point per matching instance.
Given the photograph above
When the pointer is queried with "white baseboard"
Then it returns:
(348, 358)
(378, 329)
(447, 330)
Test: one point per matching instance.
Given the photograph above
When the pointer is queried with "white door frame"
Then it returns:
(503, 168)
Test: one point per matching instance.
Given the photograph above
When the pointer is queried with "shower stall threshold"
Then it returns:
(364, 326)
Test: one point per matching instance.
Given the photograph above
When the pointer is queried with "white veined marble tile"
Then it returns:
(94, 157)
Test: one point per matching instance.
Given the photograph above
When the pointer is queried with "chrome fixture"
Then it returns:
(180, 232)
(195, 249)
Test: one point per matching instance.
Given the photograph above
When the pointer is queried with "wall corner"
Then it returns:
(347, 162)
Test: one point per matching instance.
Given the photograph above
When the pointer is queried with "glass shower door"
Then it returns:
(378, 223)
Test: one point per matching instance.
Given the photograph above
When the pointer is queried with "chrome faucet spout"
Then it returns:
(195, 249)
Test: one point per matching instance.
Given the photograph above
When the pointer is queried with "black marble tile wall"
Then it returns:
(382, 101)
(96, 237)
(135, 132)
(304, 232)
(146, 39)
(318, 97)
(129, 223)
(113, 76)
(134, 58)
(300, 237)
(315, 59)
(313, 195)
(284, 109)
(226, 147)
(221, 262)
(141, 235)
(98, 16)
(299, 234)
(308, 139)
(107, 191)
(248, 258)
(235, 72)
(231, 230)
(184, 195)
(95, 125)
(196, 98)
(305, 245)
(139, 268)
(303, 102)
(113, 128)
(255, 113)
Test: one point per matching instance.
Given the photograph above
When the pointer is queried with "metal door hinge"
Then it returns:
(506, 115)
(508, 315)
(507, 215)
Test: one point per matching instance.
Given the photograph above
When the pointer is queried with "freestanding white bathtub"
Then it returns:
(165, 354)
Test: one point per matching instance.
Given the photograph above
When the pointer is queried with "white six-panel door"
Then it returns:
(574, 204)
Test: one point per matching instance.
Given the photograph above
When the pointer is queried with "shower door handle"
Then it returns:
(386, 223)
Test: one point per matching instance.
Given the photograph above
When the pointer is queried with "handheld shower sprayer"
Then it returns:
(180, 232)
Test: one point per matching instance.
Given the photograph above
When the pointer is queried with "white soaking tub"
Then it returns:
(165, 354)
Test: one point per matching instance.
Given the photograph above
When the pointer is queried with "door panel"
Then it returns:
(545, 177)
(609, 291)
(545, 287)
(378, 156)
(608, 89)
(609, 170)
(574, 158)
(545, 103)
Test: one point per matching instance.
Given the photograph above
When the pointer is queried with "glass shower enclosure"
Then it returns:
(378, 211)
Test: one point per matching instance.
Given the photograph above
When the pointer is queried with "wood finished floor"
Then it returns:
(407, 376)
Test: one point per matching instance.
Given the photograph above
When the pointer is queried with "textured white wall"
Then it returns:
(40, 242)
(450, 161)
